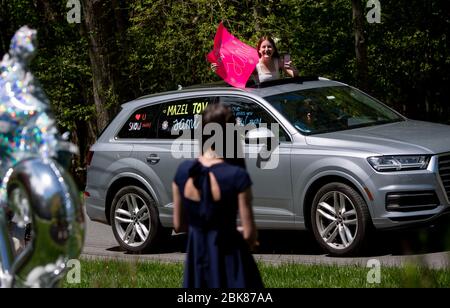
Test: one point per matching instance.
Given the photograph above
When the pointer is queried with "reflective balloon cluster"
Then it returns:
(26, 126)
(35, 188)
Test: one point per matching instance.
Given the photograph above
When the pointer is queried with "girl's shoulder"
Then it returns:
(183, 170)
(187, 164)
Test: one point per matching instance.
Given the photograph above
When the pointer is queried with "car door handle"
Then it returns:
(153, 159)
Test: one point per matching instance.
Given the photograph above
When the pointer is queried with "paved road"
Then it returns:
(429, 247)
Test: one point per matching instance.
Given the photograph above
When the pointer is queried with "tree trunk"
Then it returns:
(121, 13)
(257, 15)
(100, 30)
(362, 70)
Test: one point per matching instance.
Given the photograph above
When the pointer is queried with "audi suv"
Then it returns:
(343, 162)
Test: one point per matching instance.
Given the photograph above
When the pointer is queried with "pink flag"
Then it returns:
(236, 60)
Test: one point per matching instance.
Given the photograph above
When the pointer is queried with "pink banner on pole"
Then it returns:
(235, 59)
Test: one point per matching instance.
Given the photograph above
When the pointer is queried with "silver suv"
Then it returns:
(347, 163)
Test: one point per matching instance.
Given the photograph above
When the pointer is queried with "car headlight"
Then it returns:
(399, 162)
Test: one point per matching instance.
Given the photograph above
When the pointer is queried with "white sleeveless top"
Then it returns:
(263, 75)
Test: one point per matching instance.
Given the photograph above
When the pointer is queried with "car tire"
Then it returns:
(135, 221)
(340, 219)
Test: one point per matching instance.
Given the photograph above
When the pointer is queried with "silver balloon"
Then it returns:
(35, 189)
(56, 218)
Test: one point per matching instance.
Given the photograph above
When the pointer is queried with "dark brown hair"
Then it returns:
(271, 41)
(221, 114)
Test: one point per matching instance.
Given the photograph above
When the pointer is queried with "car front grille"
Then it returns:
(444, 172)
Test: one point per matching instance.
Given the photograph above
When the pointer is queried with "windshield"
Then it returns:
(329, 109)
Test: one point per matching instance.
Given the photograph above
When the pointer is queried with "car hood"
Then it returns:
(406, 137)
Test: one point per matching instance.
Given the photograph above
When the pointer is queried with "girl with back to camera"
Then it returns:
(208, 192)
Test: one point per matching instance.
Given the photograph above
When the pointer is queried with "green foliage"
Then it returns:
(61, 64)
(66, 78)
(166, 43)
(170, 42)
(410, 59)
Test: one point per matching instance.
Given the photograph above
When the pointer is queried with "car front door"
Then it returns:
(272, 192)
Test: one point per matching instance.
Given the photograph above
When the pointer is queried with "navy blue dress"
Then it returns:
(217, 254)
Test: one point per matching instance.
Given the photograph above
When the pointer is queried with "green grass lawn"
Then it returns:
(107, 274)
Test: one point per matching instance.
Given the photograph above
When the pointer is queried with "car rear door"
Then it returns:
(160, 157)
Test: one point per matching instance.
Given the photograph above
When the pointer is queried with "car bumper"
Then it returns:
(95, 209)
(388, 188)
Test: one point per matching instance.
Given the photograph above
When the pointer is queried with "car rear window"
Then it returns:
(182, 115)
(141, 124)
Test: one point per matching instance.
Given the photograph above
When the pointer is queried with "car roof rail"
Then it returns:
(214, 84)
(253, 84)
(277, 82)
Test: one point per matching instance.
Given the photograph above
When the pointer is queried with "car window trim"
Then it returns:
(212, 95)
(253, 100)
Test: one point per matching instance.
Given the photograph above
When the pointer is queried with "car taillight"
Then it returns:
(89, 156)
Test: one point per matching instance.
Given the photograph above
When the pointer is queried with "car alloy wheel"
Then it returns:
(134, 219)
(340, 219)
(336, 220)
